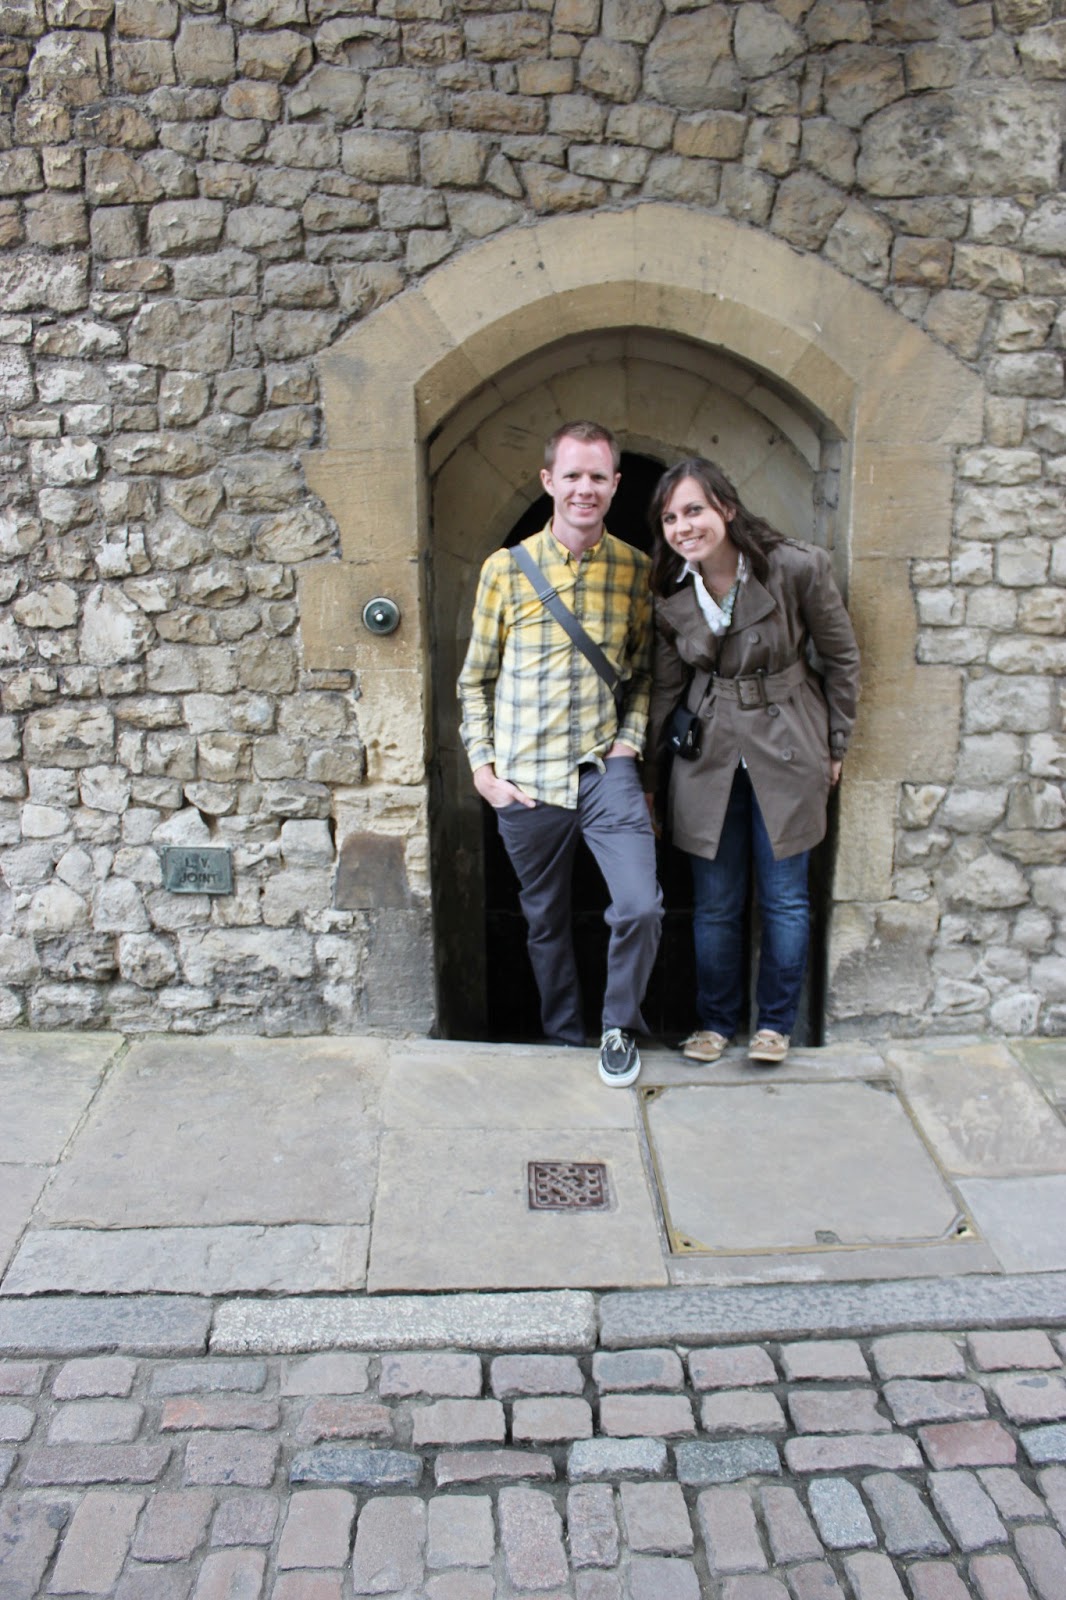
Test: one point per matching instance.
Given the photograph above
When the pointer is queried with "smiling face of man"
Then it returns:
(581, 482)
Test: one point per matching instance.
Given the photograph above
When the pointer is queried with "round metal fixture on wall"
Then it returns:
(381, 615)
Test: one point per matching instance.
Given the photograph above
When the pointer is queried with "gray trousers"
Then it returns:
(613, 820)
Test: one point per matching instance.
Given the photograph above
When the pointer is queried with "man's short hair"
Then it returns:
(588, 433)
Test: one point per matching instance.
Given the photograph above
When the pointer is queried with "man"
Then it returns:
(553, 753)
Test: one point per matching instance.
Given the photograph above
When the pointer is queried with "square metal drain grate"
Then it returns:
(568, 1186)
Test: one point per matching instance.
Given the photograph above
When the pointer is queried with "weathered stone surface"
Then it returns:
(199, 204)
(688, 64)
(980, 142)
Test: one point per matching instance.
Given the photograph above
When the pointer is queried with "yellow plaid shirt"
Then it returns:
(531, 703)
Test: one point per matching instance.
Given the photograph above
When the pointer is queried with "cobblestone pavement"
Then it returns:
(910, 1466)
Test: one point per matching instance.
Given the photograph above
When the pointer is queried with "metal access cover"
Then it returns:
(750, 1168)
(568, 1186)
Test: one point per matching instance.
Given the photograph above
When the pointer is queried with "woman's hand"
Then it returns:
(836, 766)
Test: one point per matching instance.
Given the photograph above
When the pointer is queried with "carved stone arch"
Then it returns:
(441, 375)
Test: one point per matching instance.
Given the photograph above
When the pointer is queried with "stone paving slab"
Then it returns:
(47, 1080)
(323, 1477)
(1023, 1219)
(980, 1110)
(440, 1084)
(20, 1189)
(293, 1259)
(216, 1131)
(453, 1212)
(1045, 1059)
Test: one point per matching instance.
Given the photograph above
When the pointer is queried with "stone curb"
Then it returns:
(66, 1325)
(63, 1325)
(706, 1315)
(556, 1320)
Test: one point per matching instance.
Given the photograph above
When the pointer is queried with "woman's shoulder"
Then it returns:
(680, 603)
(794, 555)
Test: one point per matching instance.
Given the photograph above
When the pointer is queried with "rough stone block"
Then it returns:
(592, 1527)
(1031, 1397)
(913, 1400)
(590, 1459)
(174, 1525)
(458, 1422)
(725, 1461)
(741, 1411)
(550, 1419)
(812, 1453)
(511, 1376)
(840, 1515)
(375, 1469)
(788, 1527)
(730, 1533)
(836, 1411)
(460, 1532)
(628, 1415)
(968, 1444)
(996, 1577)
(828, 1359)
(917, 1355)
(637, 1369)
(231, 1459)
(655, 1518)
(908, 1527)
(966, 1511)
(317, 1530)
(731, 1368)
(479, 1466)
(531, 1538)
(88, 1464)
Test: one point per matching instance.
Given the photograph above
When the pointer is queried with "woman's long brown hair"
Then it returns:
(752, 535)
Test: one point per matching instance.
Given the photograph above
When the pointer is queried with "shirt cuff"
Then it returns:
(481, 755)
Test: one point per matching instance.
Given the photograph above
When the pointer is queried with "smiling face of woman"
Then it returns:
(698, 529)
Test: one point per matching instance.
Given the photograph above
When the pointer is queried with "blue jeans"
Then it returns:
(720, 892)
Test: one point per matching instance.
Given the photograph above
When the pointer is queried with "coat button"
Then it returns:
(753, 637)
(786, 755)
(773, 711)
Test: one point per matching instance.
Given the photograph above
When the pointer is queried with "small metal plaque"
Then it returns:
(568, 1186)
(197, 870)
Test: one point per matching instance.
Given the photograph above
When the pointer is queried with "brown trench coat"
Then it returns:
(787, 743)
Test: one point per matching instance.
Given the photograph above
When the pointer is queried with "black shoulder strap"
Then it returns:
(549, 598)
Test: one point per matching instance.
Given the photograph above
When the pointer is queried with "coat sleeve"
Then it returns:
(632, 727)
(833, 637)
(669, 673)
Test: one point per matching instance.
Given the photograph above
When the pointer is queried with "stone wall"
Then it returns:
(198, 201)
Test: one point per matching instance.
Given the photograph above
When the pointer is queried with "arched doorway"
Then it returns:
(402, 393)
(665, 397)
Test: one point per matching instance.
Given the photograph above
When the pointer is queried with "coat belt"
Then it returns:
(754, 690)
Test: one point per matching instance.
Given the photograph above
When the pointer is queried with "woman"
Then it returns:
(736, 607)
